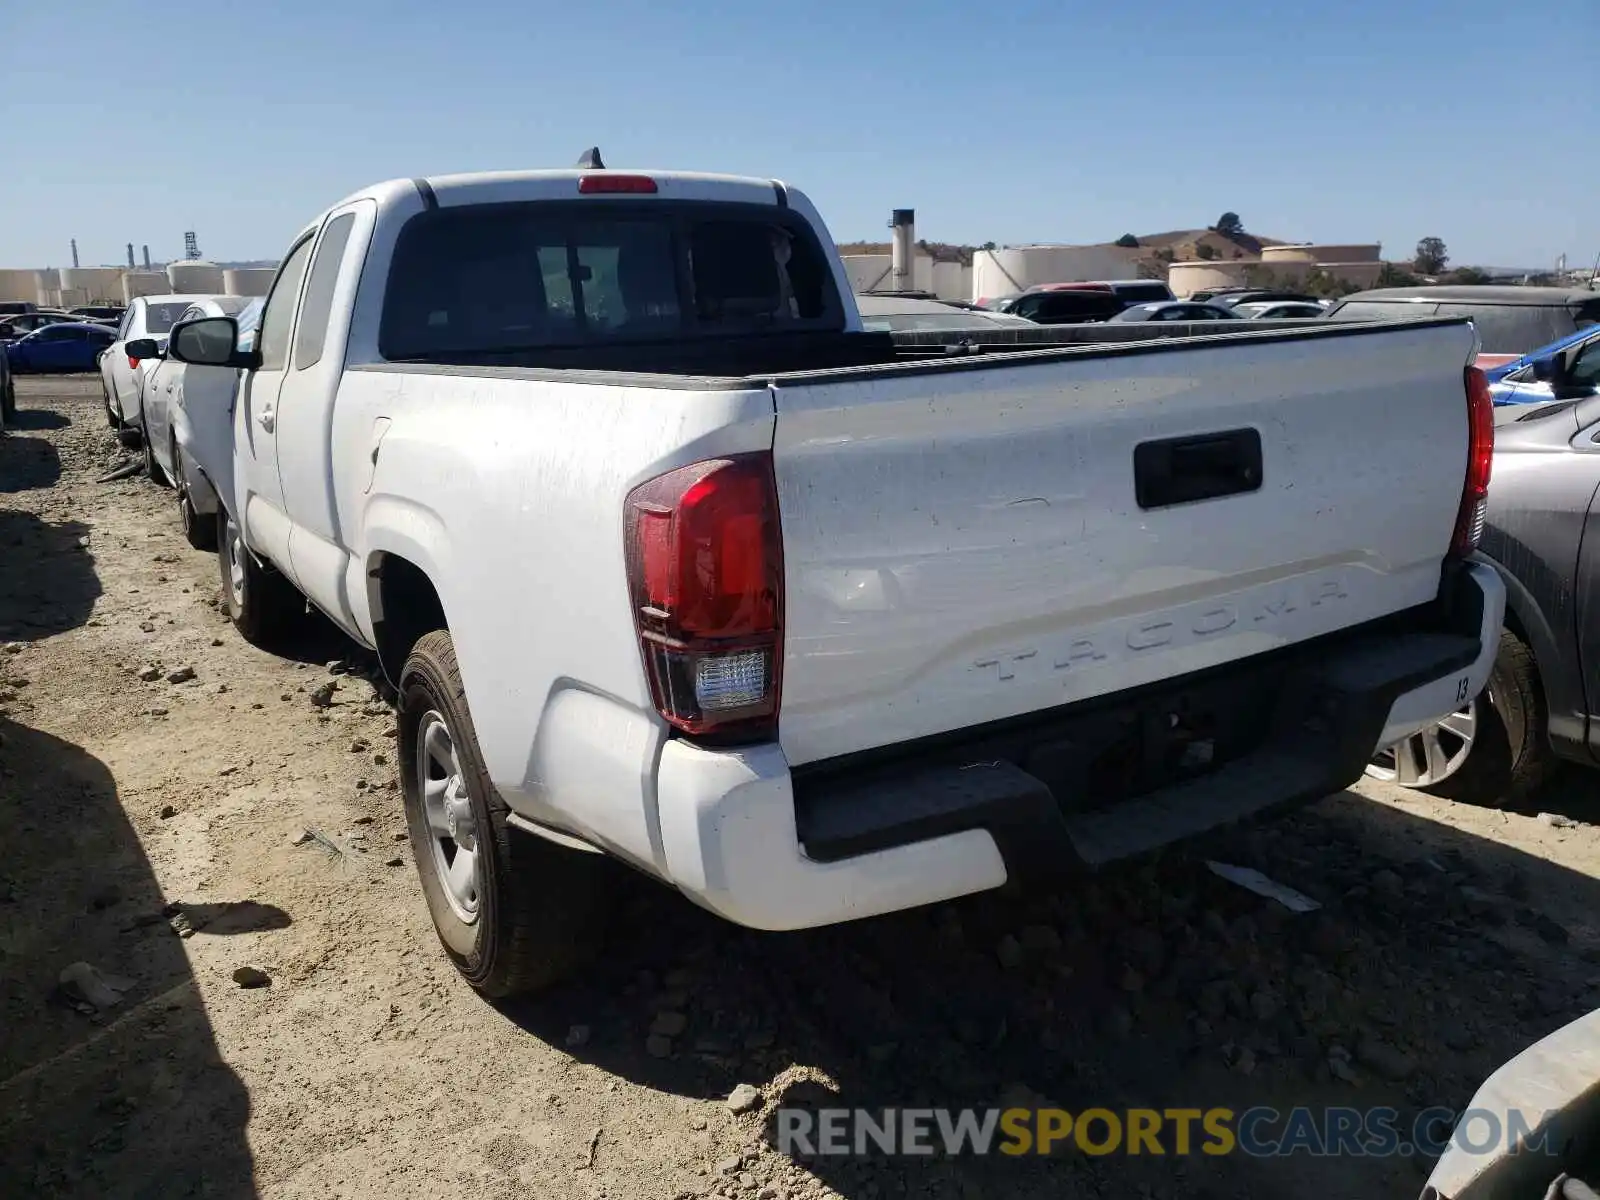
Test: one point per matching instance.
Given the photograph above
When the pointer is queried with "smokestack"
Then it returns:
(147, 258)
(74, 252)
(130, 256)
(903, 270)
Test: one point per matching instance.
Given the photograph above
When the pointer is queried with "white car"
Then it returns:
(188, 420)
(1280, 310)
(670, 560)
(121, 375)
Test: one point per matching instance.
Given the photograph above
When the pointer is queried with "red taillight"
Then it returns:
(1480, 459)
(705, 572)
(133, 363)
(594, 185)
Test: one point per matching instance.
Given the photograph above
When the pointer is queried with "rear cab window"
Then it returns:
(311, 331)
(160, 318)
(1514, 327)
(497, 279)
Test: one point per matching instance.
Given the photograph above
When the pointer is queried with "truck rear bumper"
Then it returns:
(771, 849)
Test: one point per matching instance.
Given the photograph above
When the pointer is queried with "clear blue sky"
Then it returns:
(1334, 120)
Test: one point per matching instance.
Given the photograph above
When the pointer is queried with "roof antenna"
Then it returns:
(591, 160)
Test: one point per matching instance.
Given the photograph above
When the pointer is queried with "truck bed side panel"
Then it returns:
(508, 493)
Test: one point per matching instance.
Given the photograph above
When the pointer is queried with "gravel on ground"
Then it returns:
(217, 976)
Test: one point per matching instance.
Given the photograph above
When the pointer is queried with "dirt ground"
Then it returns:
(156, 831)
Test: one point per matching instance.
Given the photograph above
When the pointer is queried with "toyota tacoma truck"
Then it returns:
(670, 561)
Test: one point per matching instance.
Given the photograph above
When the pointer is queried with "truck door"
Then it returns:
(307, 443)
(258, 494)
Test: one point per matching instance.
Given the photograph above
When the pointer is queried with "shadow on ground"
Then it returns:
(47, 579)
(39, 418)
(27, 463)
(130, 1100)
(1436, 957)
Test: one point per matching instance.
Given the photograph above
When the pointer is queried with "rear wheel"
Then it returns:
(152, 468)
(1494, 752)
(514, 912)
(264, 606)
(8, 400)
(198, 530)
(114, 421)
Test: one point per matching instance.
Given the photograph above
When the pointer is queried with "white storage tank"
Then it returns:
(1013, 269)
(195, 277)
(47, 288)
(952, 281)
(144, 283)
(868, 272)
(90, 285)
(248, 281)
(19, 285)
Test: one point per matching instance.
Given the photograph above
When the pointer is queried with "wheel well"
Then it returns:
(1514, 626)
(407, 607)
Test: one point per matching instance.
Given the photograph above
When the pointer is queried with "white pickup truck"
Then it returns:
(670, 561)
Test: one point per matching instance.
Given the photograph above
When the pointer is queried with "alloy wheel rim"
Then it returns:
(1430, 755)
(447, 810)
(236, 554)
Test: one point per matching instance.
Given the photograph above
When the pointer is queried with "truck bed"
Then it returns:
(794, 357)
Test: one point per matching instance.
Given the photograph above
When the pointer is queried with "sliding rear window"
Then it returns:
(486, 280)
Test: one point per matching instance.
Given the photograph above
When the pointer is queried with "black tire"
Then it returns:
(8, 401)
(129, 436)
(112, 420)
(1511, 757)
(540, 910)
(152, 468)
(265, 608)
(199, 530)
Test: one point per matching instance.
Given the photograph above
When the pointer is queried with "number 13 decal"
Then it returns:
(1461, 690)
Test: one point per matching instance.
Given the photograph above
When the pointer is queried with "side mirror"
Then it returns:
(210, 342)
(144, 348)
(1548, 370)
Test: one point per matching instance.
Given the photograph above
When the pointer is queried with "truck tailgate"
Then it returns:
(970, 544)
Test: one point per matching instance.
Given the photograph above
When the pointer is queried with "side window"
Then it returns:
(127, 322)
(314, 313)
(1586, 369)
(273, 338)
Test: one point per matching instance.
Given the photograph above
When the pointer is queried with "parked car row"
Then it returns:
(1148, 300)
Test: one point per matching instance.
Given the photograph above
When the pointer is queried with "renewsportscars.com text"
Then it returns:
(1259, 1132)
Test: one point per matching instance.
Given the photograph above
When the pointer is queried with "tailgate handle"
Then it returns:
(1182, 470)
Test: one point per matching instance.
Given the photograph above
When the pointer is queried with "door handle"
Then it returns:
(267, 418)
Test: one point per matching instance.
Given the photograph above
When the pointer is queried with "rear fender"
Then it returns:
(1556, 660)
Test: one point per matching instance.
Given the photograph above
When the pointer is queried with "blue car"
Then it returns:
(1515, 383)
(65, 347)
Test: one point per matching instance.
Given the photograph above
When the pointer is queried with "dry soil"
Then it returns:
(158, 778)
